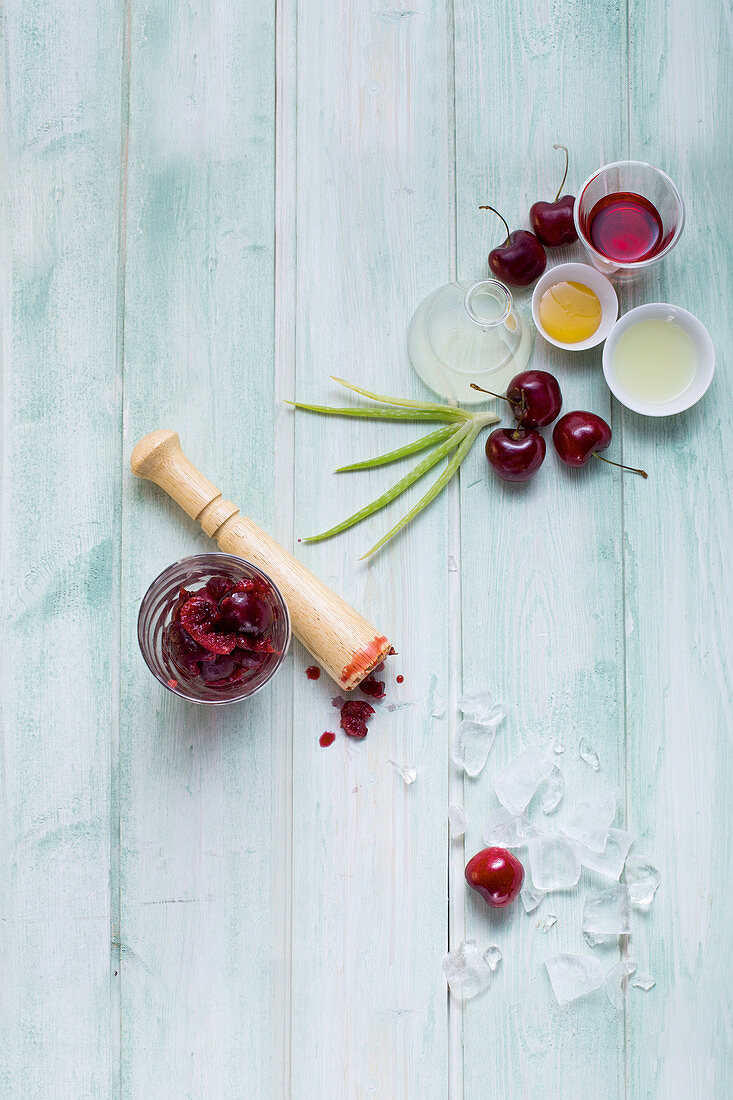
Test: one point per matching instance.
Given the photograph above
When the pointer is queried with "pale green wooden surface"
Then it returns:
(205, 209)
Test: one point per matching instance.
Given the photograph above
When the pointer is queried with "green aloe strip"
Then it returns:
(460, 432)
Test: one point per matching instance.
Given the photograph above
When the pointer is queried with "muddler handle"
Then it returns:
(341, 640)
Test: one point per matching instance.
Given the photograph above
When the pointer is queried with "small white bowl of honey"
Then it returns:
(574, 306)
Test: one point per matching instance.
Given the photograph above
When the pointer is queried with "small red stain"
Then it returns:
(313, 672)
(400, 679)
(326, 739)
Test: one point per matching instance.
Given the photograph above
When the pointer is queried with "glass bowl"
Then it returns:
(156, 613)
(639, 178)
(468, 332)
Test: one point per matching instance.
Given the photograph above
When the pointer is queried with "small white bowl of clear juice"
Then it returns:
(574, 306)
(658, 360)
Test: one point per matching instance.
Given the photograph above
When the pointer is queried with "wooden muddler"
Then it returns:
(341, 640)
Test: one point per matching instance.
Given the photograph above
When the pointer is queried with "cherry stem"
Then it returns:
(492, 394)
(641, 473)
(565, 176)
(493, 211)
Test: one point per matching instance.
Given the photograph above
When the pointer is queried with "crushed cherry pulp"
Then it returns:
(354, 717)
(221, 634)
(374, 688)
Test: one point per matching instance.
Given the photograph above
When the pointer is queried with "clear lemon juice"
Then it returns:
(655, 360)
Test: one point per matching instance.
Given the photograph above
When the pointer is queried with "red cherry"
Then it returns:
(534, 396)
(520, 260)
(515, 454)
(553, 221)
(496, 875)
(579, 436)
(246, 612)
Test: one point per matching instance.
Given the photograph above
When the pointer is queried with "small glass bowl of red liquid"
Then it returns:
(239, 622)
(628, 215)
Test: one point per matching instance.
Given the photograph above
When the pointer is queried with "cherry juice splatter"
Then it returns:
(327, 738)
(313, 672)
(400, 679)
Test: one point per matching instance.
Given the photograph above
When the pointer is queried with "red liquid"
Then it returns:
(326, 739)
(400, 679)
(313, 672)
(625, 227)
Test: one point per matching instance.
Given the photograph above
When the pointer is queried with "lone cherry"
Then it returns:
(515, 453)
(553, 222)
(579, 436)
(520, 260)
(496, 875)
(534, 396)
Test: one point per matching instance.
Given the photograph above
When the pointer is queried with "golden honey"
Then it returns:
(569, 312)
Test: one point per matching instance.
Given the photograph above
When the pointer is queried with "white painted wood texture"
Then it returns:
(207, 209)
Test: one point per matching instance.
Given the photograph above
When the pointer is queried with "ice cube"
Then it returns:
(466, 971)
(644, 981)
(606, 914)
(589, 754)
(609, 862)
(642, 879)
(452, 564)
(552, 791)
(573, 976)
(555, 862)
(531, 896)
(480, 706)
(408, 772)
(590, 823)
(493, 956)
(508, 830)
(549, 921)
(457, 821)
(558, 748)
(438, 712)
(517, 782)
(617, 980)
(471, 746)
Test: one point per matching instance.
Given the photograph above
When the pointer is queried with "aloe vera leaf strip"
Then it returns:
(430, 440)
(436, 488)
(381, 414)
(404, 483)
(404, 402)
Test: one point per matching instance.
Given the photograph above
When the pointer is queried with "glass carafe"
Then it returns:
(468, 332)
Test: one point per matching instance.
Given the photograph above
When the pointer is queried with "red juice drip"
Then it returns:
(326, 739)
(400, 679)
(313, 672)
(625, 227)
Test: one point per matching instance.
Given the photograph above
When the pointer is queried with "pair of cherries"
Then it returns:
(521, 258)
(516, 454)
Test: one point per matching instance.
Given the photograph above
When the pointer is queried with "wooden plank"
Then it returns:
(199, 836)
(678, 580)
(60, 125)
(374, 194)
(540, 564)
